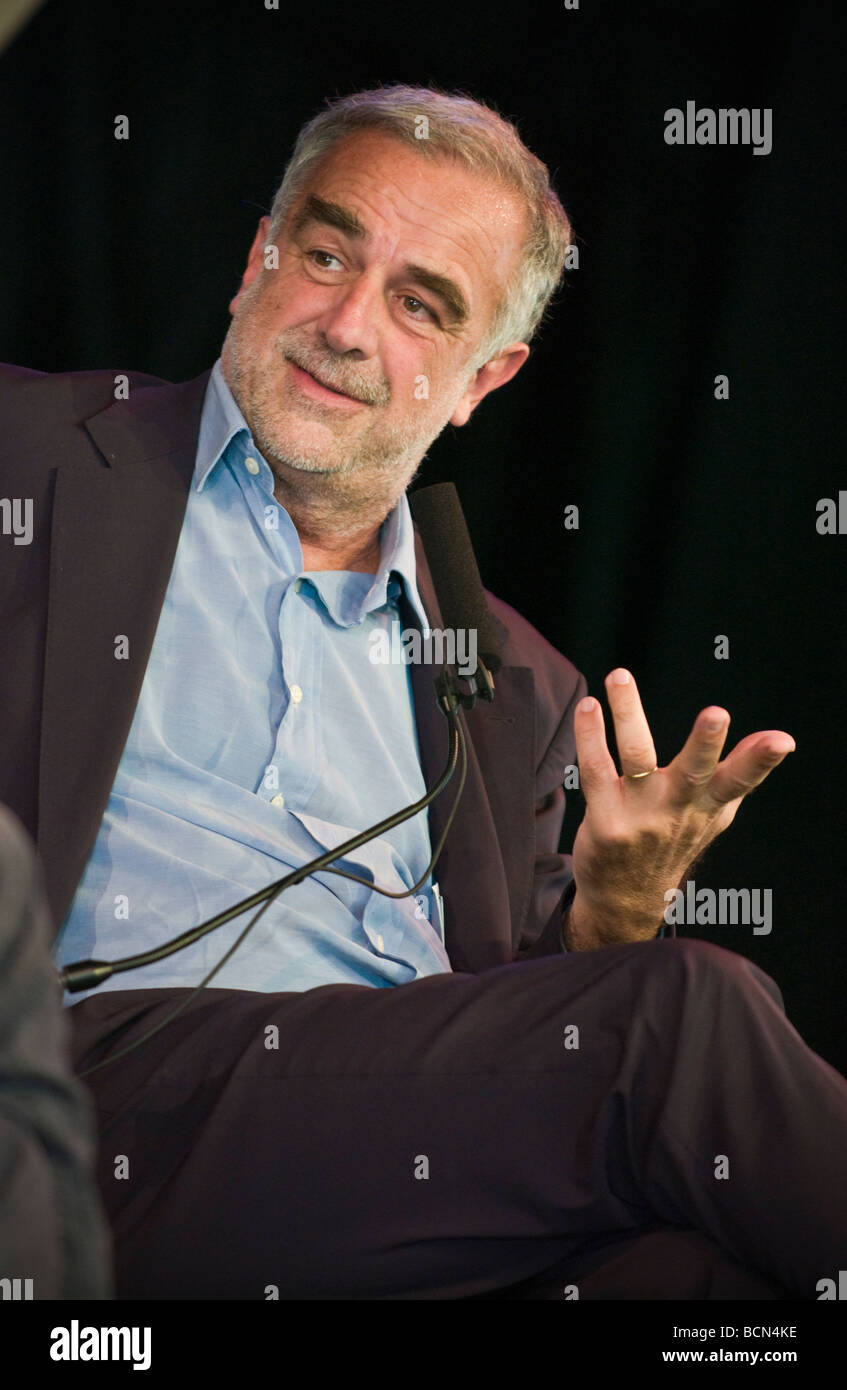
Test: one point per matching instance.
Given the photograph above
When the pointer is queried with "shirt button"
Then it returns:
(278, 801)
(379, 942)
(251, 465)
(296, 694)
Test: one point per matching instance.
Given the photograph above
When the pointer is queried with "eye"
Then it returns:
(409, 299)
(327, 256)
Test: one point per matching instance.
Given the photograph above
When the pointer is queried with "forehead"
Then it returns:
(430, 210)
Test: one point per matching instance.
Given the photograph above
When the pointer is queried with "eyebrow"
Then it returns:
(331, 215)
(345, 220)
(446, 289)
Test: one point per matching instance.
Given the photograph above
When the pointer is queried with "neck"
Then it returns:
(344, 554)
(336, 533)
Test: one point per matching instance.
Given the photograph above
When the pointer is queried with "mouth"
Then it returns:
(315, 388)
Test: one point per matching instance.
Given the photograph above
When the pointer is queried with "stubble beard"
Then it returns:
(360, 474)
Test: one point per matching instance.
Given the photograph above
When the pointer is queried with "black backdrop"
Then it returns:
(697, 516)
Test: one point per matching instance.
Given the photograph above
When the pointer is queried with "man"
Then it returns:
(376, 1098)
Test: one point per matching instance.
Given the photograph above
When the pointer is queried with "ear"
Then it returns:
(493, 374)
(255, 260)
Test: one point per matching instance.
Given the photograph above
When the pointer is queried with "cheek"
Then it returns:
(420, 379)
(279, 297)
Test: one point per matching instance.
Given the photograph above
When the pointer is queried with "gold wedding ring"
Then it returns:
(636, 776)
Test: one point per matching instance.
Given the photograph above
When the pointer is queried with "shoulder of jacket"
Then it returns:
(26, 393)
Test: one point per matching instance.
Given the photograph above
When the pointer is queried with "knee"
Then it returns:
(689, 963)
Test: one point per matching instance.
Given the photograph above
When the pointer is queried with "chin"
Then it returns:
(305, 448)
(291, 453)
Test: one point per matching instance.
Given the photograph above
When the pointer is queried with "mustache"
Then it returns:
(327, 371)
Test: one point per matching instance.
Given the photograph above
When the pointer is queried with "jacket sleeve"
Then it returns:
(553, 886)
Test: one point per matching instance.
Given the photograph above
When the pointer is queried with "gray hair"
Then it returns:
(439, 125)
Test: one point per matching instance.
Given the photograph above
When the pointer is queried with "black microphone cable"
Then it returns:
(438, 515)
(81, 974)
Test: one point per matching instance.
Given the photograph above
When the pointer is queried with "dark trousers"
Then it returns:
(449, 1139)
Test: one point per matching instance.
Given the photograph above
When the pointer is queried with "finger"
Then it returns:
(694, 765)
(632, 732)
(597, 772)
(749, 764)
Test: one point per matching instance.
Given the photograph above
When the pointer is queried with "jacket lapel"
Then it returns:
(116, 524)
(485, 870)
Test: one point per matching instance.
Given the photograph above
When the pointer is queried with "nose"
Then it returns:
(350, 320)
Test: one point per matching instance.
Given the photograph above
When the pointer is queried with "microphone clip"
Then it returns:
(465, 690)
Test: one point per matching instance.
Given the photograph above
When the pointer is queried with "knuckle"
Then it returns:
(636, 753)
(616, 837)
(695, 780)
(734, 787)
(653, 835)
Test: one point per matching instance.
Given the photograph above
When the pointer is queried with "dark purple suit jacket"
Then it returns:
(109, 482)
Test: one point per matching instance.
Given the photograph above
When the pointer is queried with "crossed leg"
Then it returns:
(454, 1136)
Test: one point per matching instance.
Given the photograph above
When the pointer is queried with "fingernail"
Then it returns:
(714, 724)
(621, 677)
(587, 705)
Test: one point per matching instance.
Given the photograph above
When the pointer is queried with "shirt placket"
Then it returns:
(298, 754)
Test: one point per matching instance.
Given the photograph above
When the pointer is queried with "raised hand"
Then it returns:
(643, 829)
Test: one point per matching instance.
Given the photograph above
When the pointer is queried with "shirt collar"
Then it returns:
(222, 420)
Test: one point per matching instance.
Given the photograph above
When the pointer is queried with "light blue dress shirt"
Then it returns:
(264, 734)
